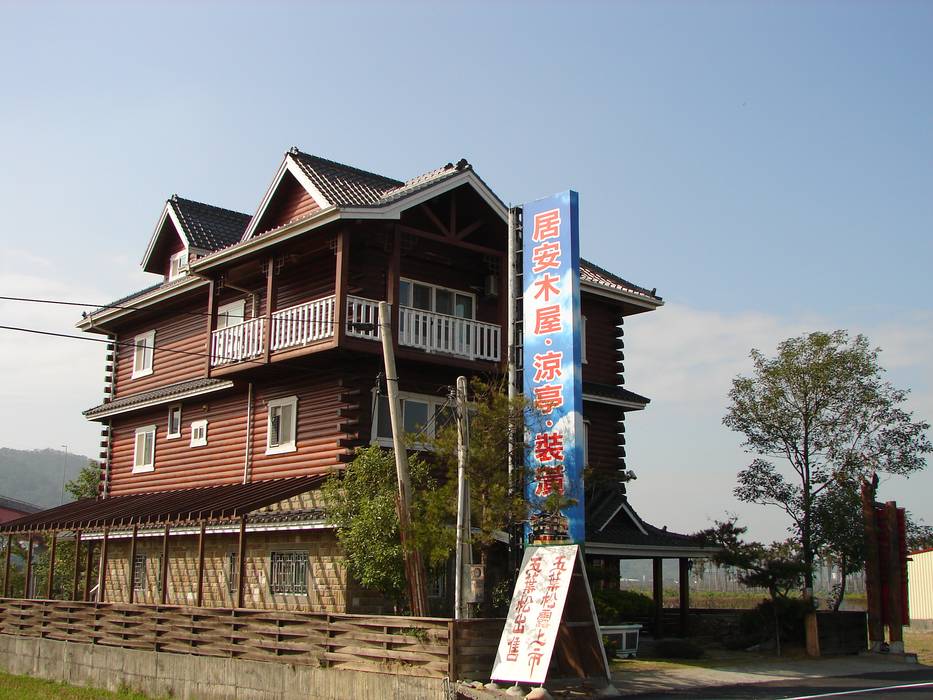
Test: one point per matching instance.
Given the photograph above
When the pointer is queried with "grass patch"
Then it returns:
(920, 643)
(28, 688)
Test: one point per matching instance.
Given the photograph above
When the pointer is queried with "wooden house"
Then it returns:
(249, 370)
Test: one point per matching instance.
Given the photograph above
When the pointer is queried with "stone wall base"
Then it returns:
(163, 674)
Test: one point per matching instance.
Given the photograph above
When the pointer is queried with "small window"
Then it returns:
(143, 354)
(416, 415)
(583, 339)
(422, 416)
(174, 422)
(281, 425)
(144, 451)
(140, 582)
(586, 443)
(198, 433)
(289, 572)
(231, 314)
(178, 265)
(233, 571)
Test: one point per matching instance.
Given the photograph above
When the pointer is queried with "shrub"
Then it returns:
(759, 622)
(614, 606)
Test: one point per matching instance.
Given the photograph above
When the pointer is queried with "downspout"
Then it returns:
(249, 433)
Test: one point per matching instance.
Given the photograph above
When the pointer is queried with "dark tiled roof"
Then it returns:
(186, 505)
(594, 274)
(207, 226)
(164, 392)
(341, 184)
(18, 506)
(614, 392)
(624, 526)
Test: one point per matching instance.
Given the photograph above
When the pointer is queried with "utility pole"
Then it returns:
(514, 535)
(464, 549)
(414, 567)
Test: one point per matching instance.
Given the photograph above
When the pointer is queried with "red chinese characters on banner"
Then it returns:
(523, 604)
(547, 225)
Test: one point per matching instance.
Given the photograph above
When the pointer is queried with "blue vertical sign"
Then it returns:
(553, 382)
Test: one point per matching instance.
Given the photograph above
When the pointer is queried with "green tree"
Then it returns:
(361, 503)
(822, 408)
(777, 567)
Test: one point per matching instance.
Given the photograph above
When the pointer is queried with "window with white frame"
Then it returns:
(198, 433)
(423, 416)
(231, 314)
(144, 451)
(144, 349)
(583, 339)
(288, 572)
(281, 428)
(178, 265)
(173, 429)
(440, 300)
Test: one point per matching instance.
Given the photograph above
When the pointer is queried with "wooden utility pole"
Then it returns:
(872, 568)
(414, 567)
(464, 551)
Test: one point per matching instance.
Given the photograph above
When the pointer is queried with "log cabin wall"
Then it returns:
(306, 275)
(180, 347)
(174, 245)
(606, 456)
(290, 202)
(603, 341)
(370, 250)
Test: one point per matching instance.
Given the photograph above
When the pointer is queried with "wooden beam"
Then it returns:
(449, 241)
(51, 580)
(27, 593)
(270, 306)
(683, 577)
(241, 565)
(211, 322)
(131, 593)
(6, 567)
(340, 285)
(163, 575)
(436, 221)
(200, 596)
(657, 583)
(102, 570)
(467, 230)
(89, 563)
(893, 564)
(77, 573)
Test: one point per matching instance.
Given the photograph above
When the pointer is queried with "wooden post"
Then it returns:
(200, 598)
(872, 569)
(893, 564)
(87, 573)
(461, 609)
(6, 573)
(392, 281)
(270, 299)
(131, 593)
(27, 584)
(241, 565)
(414, 567)
(163, 575)
(684, 580)
(340, 285)
(76, 582)
(102, 569)
(657, 582)
(211, 322)
(51, 581)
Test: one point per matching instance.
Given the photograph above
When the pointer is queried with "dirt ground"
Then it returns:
(920, 643)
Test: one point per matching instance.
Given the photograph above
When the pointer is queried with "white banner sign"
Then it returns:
(535, 613)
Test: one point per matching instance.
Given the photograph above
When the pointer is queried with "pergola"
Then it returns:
(194, 510)
(615, 532)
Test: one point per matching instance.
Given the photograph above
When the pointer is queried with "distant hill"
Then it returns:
(35, 476)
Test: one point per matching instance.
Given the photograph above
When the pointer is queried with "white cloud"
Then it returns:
(685, 360)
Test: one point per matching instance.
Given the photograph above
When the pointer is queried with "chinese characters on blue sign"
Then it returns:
(552, 370)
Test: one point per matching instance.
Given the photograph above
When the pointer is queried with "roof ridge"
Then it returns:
(295, 151)
(601, 270)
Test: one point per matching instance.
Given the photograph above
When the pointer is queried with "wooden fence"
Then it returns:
(429, 647)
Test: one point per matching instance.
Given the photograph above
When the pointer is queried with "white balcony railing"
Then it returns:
(448, 335)
(302, 324)
(363, 318)
(238, 342)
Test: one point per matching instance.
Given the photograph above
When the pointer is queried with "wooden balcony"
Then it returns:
(315, 321)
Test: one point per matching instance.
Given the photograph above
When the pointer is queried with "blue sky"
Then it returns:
(766, 166)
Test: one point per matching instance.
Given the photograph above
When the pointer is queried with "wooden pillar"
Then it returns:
(90, 567)
(504, 314)
(163, 575)
(102, 569)
(27, 584)
(52, 552)
(131, 593)
(241, 565)
(340, 285)
(270, 307)
(872, 568)
(683, 578)
(657, 582)
(77, 574)
(211, 322)
(6, 567)
(200, 598)
(893, 564)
